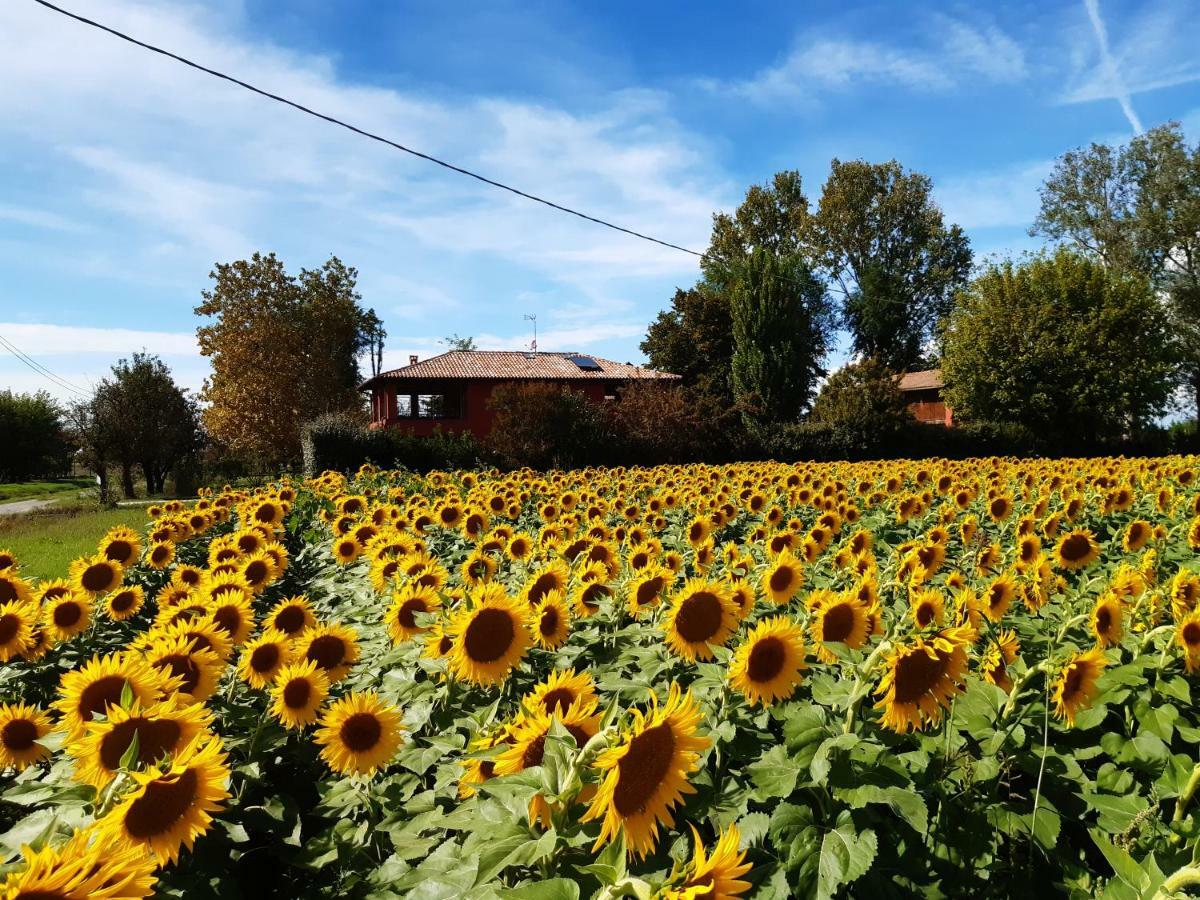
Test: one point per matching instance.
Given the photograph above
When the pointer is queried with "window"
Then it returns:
(439, 406)
(403, 406)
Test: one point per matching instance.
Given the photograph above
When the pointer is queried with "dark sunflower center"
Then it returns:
(97, 577)
(642, 769)
(122, 602)
(256, 572)
(155, 738)
(100, 695)
(361, 731)
(8, 591)
(1073, 683)
(10, 626)
(18, 735)
(917, 675)
(161, 553)
(1191, 634)
(163, 803)
(648, 590)
(781, 579)
(119, 551)
(766, 659)
(445, 645)
(558, 700)
(183, 666)
(290, 619)
(534, 751)
(837, 623)
(548, 624)
(925, 613)
(408, 611)
(544, 585)
(264, 658)
(1104, 620)
(591, 595)
(699, 617)
(296, 693)
(327, 651)
(67, 614)
(997, 594)
(228, 618)
(1075, 548)
(489, 635)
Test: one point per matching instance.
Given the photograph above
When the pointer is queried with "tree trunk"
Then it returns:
(102, 475)
(127, 480)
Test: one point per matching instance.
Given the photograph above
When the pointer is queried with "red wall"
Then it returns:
(929, 407)
(476, 416)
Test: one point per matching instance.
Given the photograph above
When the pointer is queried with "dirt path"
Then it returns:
(22, 506)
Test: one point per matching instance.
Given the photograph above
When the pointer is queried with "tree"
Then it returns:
(655, 423)
(284, 350)
(151, 422)
(864, 402)
(34, 441)
(544, 425)
(781, 326)
(454, 342)
(882, 240)
(1076, 352)
(93, 438)
(694, 338)
(1137, 208)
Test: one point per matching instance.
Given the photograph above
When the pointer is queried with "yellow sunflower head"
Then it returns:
(559, 691)
(921, 678)
(839, 618)
(550, 621)
(767, 665)
(407, 603)
(21, 727)
(291, 616)
(1108, 620)
(1076, 685)
(333, 647)
(702, 615)
(297, 693)
(1077, 549)
(263, 658)
(125, 603)
(783, 578)
(96, 575)
(358, 734)
(489, 638)
(718, 875)
(18, 619)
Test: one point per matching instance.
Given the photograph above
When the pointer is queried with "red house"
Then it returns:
(923, 391)
(451, 391)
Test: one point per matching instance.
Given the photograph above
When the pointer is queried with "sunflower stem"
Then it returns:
(1069, 624)
(1185, 796)
(1151, 635)
(1037, 793)
(1188, 876)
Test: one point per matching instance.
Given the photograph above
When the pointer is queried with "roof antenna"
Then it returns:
(532, 317)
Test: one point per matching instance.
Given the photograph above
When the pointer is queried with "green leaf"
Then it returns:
(126, 695)
(846, 855)
(1123, 865)
(551, 889)
(903, 802)
(611, 865)
(753, 827)
(129, 757)
(821, 762)
(1116, 813)
(774, 775)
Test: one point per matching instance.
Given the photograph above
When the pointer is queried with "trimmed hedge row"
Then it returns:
(343, 443)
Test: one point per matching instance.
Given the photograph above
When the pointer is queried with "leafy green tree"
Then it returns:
(781, 326)
(1137, 208)
(544, 425)
(888, 252)
(284, 350)
(1072, 350)
(864, 400)
(694, 337)
(454, 342)
(34, 440)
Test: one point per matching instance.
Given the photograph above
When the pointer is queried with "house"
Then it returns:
(923, 391)
(451, 391)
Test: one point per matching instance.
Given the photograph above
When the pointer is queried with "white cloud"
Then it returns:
(956, 50)
(1004, 198)
(40, 340)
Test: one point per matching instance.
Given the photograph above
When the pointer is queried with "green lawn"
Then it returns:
(45, 543)
(29, 490)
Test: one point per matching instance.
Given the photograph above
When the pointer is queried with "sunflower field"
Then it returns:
(906, 678)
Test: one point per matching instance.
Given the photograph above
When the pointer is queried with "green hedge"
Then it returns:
(343, 443)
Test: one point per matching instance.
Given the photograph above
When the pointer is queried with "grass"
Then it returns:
(30, 490)
(45, 542)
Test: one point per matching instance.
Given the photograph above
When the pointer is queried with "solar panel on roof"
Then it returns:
(586, 363)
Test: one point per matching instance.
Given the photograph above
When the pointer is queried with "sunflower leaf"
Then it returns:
(129, 757)
(846, 855)
(775, 774)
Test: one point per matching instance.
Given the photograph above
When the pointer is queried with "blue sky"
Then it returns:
(124, 177)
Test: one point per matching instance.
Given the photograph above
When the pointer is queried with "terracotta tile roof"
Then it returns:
(921, 381)
(517, 365)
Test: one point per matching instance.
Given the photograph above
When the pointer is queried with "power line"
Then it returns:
(362, 132)
(39, 368)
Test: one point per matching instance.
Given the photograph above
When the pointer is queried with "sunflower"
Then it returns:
(257, 570)
(13, 588)
(407, 603)
(1136, 536)
(17, 621)
(527, 736)
(263, 658)
(232, 613)
(647, 589)
(551, 577)
(701, 615)
(839, 619)
(359, 733)
(160, 555)
(170, 807)
(713, 877)
(927, 608)
(121, 544)
(88, 865)
(8, 560)
(998, 596)
(766, 666)
(161, 729)
(124, 603)
(480, 768)
(1187, 635)
(1108, 620)
(920, 678)
(67, 616)
(1000, 654)
(201, 634)
(333, 647)
(21, 727)
(646, 774)
(478, 567)
(297, 692)
(559, 691)
(520, 546)
(489, 638)
(291, 616)
(91, 690)
(95, 575)
(1077, 549)
(346, 550)
(1076, 685)
(550, 621)
(198, 669)
(783, 578)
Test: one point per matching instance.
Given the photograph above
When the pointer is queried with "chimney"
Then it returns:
(412, 359)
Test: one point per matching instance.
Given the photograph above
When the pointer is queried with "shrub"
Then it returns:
(863, 403)
(342, 442)
(546, 426)
(665, 423)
